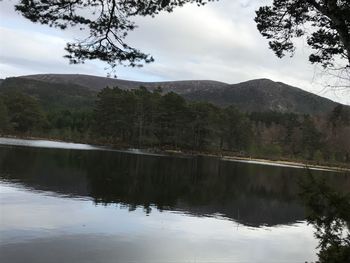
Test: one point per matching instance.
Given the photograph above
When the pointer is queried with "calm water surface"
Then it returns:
(79, 203)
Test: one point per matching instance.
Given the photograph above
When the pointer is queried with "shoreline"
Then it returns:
(290, 164)
(184, 153)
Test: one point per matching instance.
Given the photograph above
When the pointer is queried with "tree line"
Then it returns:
(150, 119)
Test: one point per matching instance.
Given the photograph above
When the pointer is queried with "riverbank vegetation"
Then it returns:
(328, 211)
(151, 119)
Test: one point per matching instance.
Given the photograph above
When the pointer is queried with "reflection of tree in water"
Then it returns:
(328, 211)
(250, 194)
(201, 186)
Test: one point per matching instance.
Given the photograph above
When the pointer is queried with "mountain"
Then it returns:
(52, 95)
(265, 95)
(75, 90)
(98, 83)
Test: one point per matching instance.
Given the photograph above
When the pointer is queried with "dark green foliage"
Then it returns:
(238, 130)
(172, 119)
(270, 117)
(139, 117)
(311, 139)
(142, 118)
(146, 115)
(329, 212)
(52, 96)
(148, 119)
(72, 124)
(74, 91)
(24, 113)
(204, 127)
(339, 115)
(114, 113)
(4, 118)
(329, 34)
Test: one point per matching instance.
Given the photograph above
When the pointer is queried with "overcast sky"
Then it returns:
(218, 41)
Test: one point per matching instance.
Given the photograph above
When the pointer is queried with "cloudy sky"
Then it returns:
(218, 42)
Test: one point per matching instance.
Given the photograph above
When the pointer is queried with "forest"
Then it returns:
(140, 118)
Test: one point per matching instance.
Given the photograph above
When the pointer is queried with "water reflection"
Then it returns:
(41, 228)
(252, 195)
(47, 144)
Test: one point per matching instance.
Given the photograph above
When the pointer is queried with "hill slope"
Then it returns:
(266, 95)
(72, 90)
(98, 83)
(52, 95)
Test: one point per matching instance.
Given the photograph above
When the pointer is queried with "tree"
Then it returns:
(237, 129)
(340, 115)
(24, 112)
(171, 119)
(311, 138)
(114, 114)
(325, 22)
(338, 124)
(4, 119)
(146, 110)
(107, 22)
(329, 212)
(203, 124)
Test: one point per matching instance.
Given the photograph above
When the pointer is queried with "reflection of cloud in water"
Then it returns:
(47, 144)
(79, 146)
(69, 229)
(67, 146)
(111, 206)
(272, 163)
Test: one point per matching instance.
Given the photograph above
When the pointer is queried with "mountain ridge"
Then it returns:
(98, 82)
(252, 95)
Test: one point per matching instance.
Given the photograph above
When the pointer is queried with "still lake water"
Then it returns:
(76, 203)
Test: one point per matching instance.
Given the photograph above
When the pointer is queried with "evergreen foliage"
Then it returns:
(326, 23)
(141, 118)
(24, 113)
(329, 212)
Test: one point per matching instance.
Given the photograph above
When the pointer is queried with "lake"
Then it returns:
(77, 203)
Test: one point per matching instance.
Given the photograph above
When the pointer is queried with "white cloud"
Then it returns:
(219, 41)
(24, 52)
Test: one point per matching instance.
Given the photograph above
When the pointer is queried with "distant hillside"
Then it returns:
(52, 95)
(98, 83)
(68, 90)
(265, 95)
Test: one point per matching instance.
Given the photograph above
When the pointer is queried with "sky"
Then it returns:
(216, 42)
